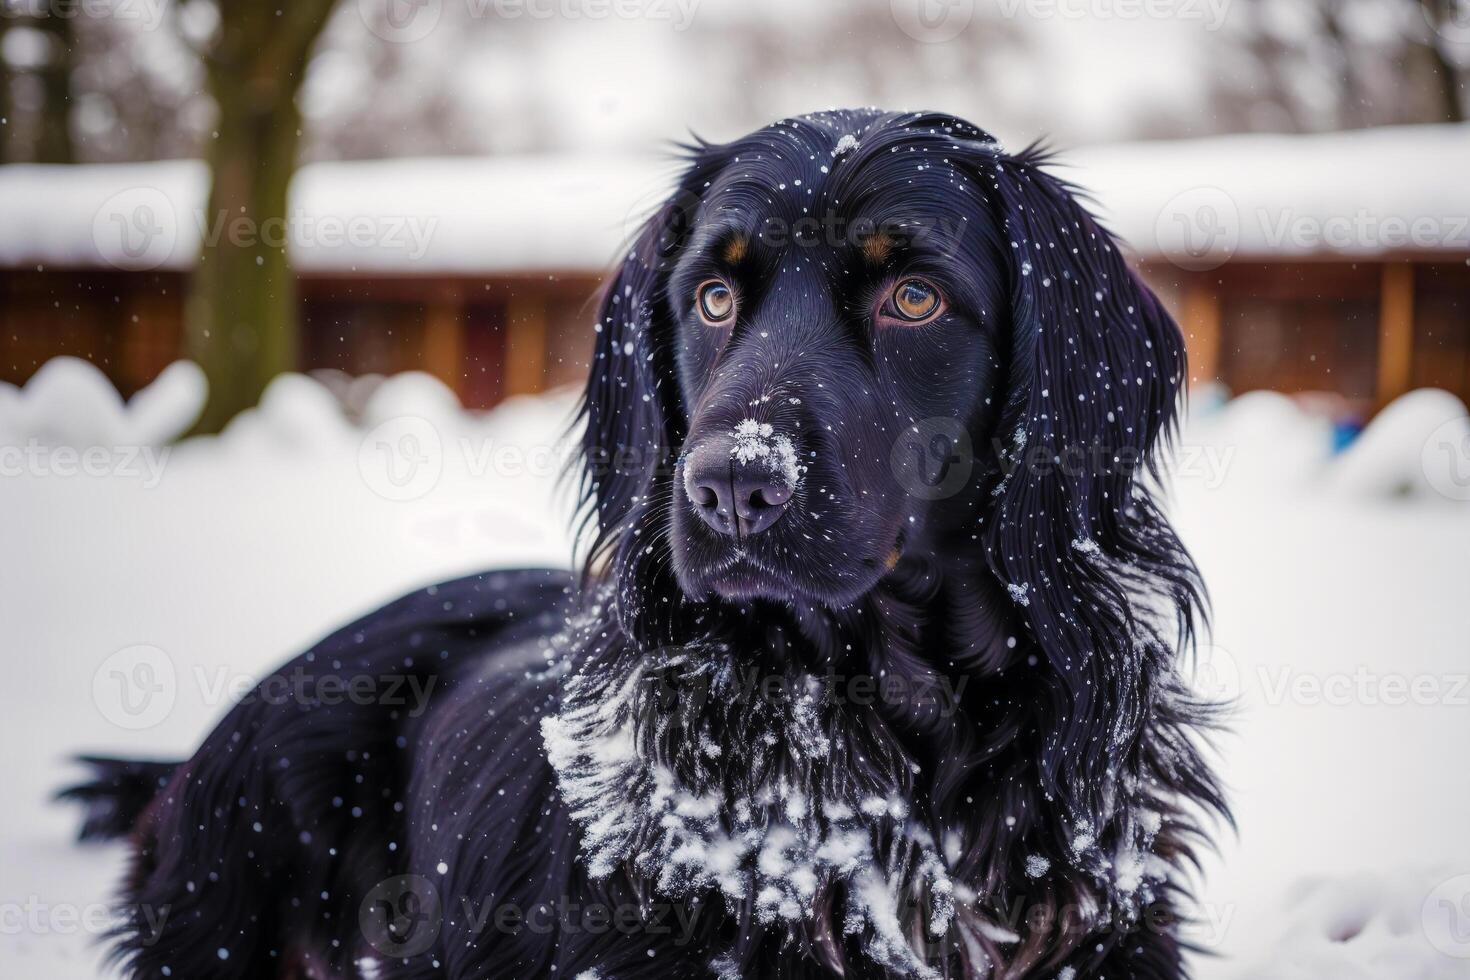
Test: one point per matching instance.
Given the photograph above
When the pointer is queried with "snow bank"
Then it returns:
(1265, 443)
(1257, 443)
(1368, 927)
(70, 402)
(1418, 446)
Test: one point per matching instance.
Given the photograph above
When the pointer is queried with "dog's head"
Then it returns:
(856, 336)
(875, 370)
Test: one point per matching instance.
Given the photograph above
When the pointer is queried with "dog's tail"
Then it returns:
(116, 795)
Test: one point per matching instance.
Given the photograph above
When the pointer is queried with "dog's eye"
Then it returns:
(915, 300)
(716, 301)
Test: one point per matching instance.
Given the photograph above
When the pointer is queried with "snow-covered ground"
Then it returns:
(132, 566)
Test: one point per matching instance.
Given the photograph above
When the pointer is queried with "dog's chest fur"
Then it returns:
(767, 798)
(748, 779)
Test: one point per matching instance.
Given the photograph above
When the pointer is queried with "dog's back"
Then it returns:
(253, 857)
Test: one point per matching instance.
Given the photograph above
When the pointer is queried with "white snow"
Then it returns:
(1341, 620)
(1361, 926)
(773, 841)
(756, 440)
(513, 214)
(1363, 192)
(1342, 609)
(1419, 446)
(67, 402)
(1086, 546)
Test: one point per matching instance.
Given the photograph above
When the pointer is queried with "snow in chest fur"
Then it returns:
(774, 816)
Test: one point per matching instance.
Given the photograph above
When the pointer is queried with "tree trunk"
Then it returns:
(1352, 104)
(242, 315)
(7, 122)
(242, 312)
(53, 136)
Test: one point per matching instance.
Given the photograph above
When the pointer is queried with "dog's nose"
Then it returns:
(734, 497)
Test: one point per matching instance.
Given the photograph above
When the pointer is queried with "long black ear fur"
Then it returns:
(634, 422)
(1075, 534)
(629, 406)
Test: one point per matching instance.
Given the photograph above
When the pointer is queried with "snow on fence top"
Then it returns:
(406, 216)
(1369, 192)
(1394, 189)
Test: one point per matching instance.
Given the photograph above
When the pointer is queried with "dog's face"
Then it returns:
(859, 337)
(836, 300)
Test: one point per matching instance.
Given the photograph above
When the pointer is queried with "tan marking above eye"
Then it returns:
(715, 300)
(915, 299)
(877, 247)
(735, 249)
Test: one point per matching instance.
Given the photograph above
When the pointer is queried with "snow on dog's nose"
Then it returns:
(740, 484)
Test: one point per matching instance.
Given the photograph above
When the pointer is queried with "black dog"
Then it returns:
(872, 671)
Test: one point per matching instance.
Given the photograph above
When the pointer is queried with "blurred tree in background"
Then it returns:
(128, 99)
(6, 109)
(483, 83)
(1313, 65)
(36, 73)
(1446, 47)
(242, 309)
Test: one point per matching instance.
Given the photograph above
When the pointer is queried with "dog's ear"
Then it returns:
(630, 407)
(1075, 535)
